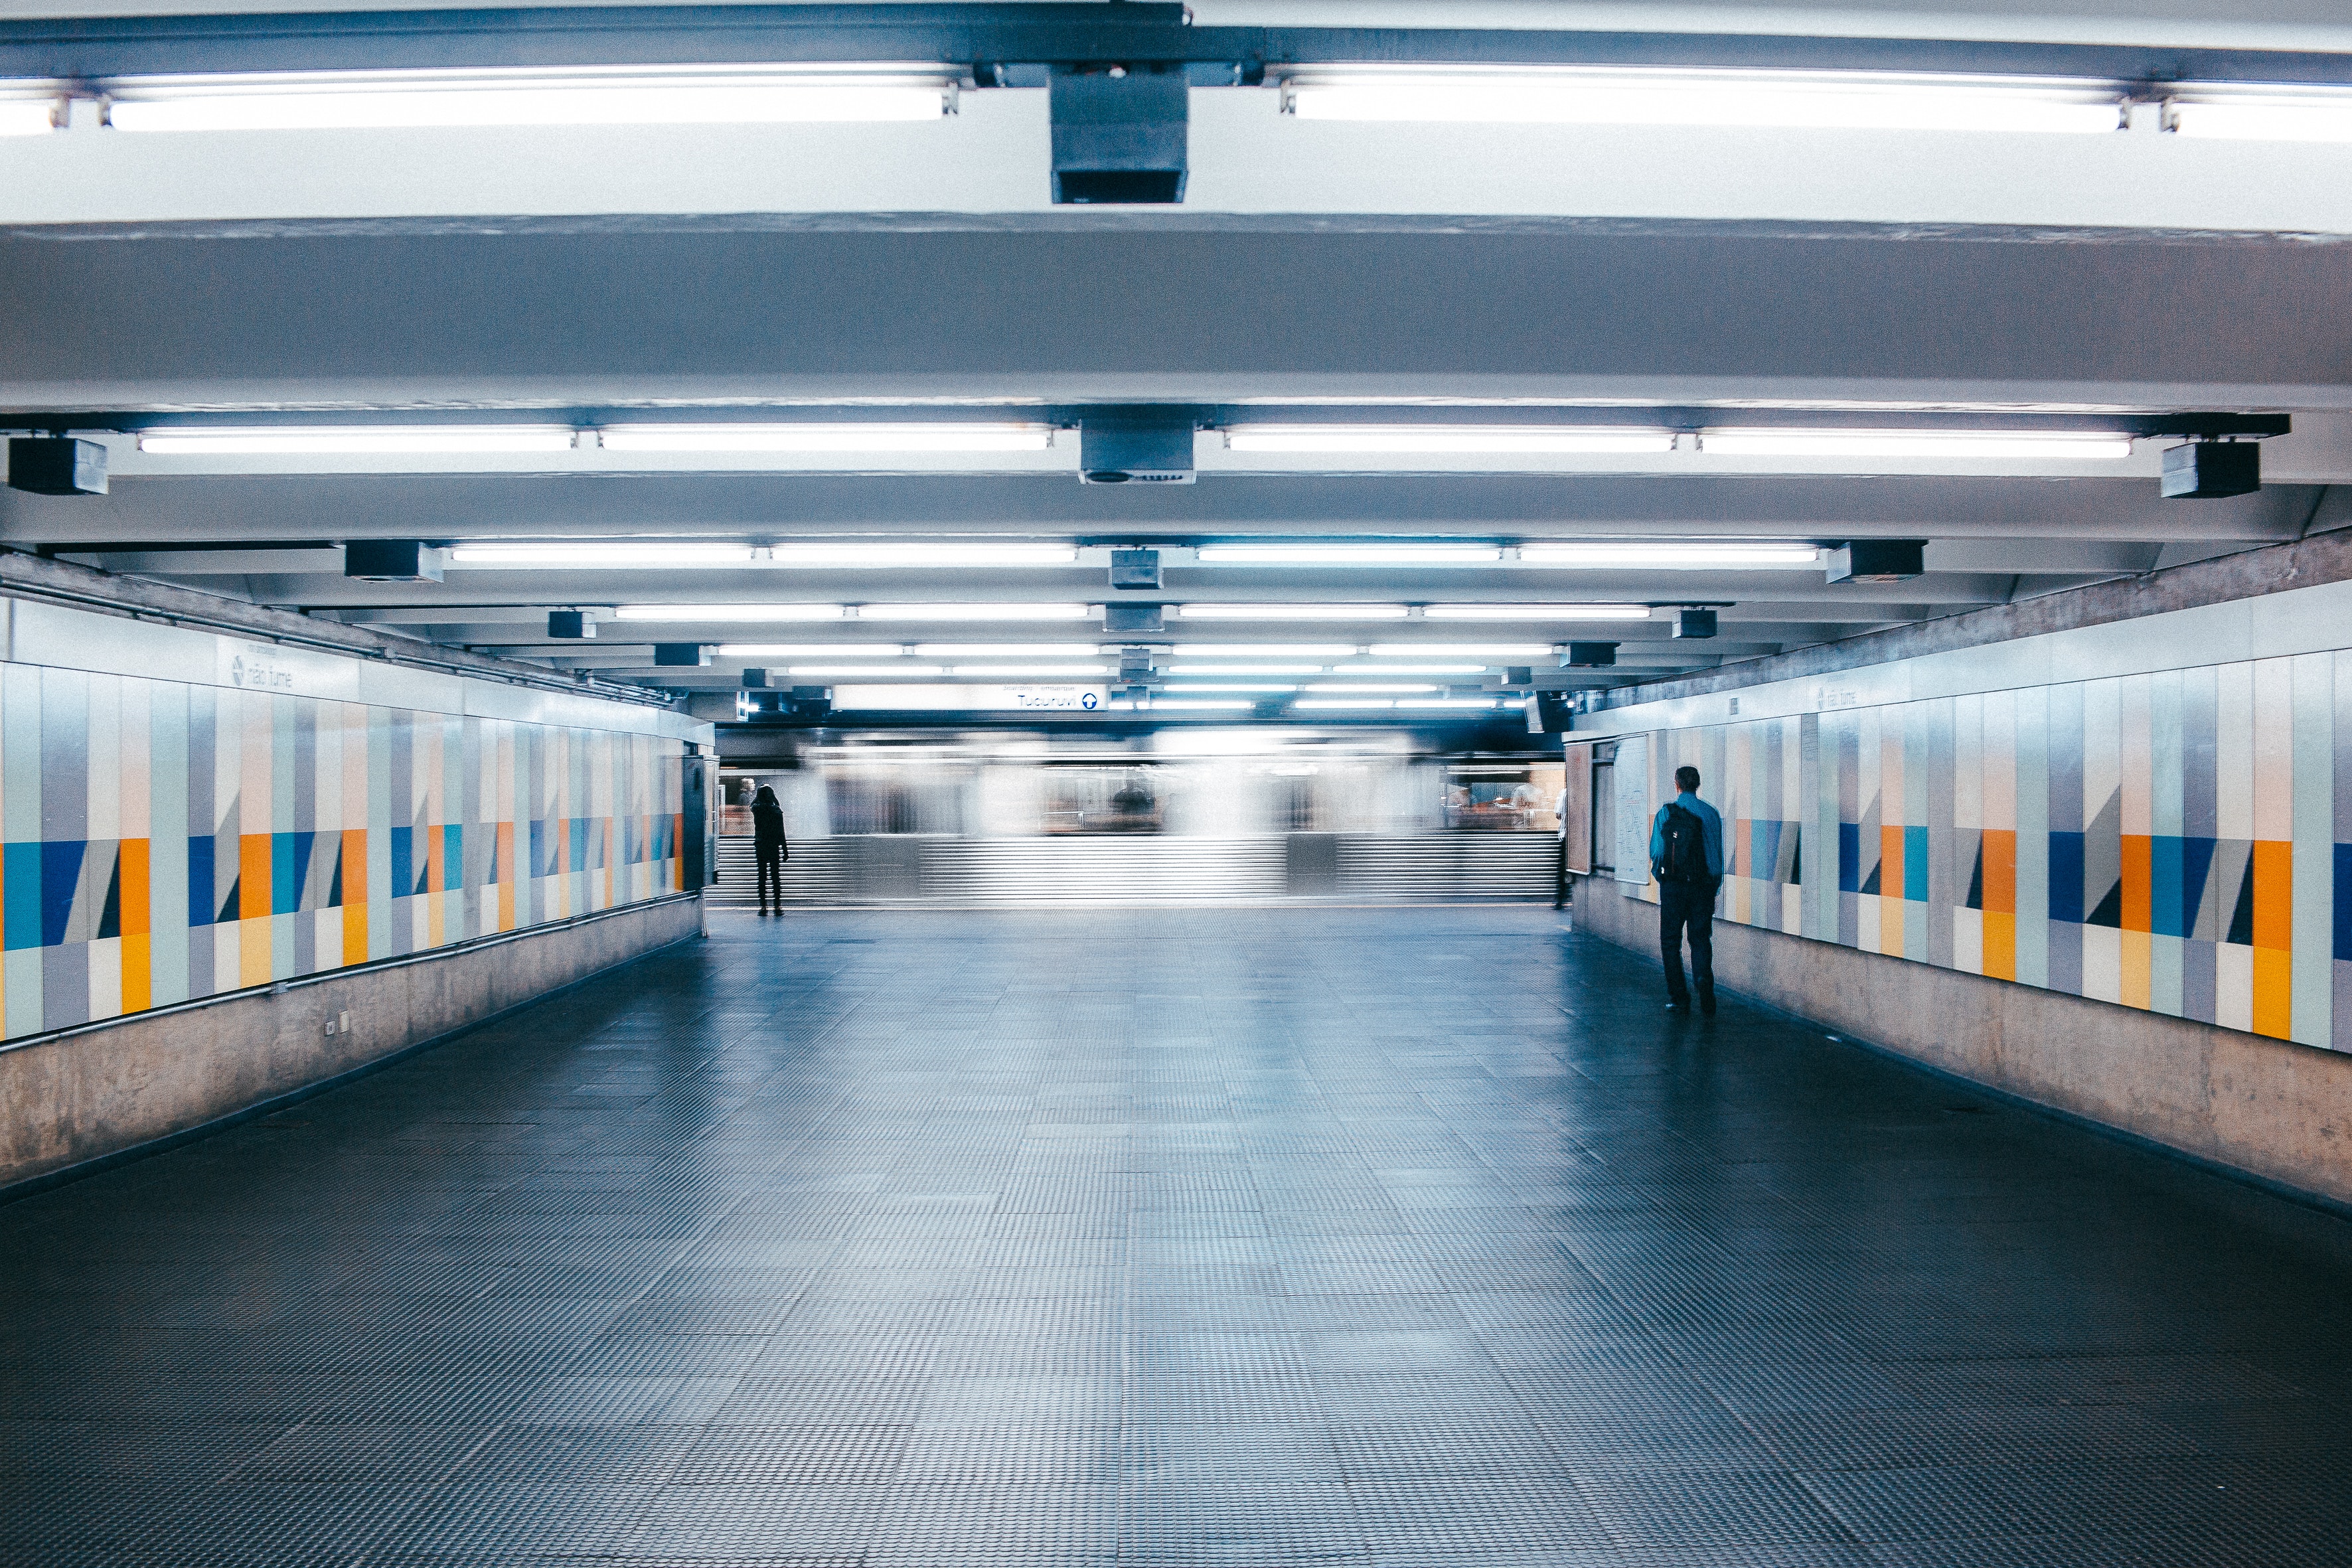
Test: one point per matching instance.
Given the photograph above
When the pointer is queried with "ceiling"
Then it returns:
(1663, 277)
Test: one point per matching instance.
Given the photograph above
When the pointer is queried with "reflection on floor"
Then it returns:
(1166, 1237)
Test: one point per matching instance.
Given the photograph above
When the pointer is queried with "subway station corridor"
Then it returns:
(1415, 1236)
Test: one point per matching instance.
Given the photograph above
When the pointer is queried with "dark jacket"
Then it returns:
(767, 828)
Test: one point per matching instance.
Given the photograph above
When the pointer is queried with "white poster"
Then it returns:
(1631, 775)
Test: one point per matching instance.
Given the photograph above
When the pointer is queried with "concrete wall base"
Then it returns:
(2269, 1108)
(82, 1098)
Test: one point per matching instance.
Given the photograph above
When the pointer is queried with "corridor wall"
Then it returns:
(241, 813)
(2176, 838)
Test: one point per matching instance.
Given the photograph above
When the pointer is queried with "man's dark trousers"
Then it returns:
(1688, 906)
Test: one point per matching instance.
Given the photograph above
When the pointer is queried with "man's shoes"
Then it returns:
(1677, 1006)
(1707, 1005)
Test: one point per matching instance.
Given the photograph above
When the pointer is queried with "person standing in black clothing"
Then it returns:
(1687, 858)
(768, 844)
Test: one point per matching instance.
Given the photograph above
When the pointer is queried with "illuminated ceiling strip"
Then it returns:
(1538, 611)
(378, 100)
(1591, 95)
(974, 612)
(1445, 441)
(819, 437)
(729, 613)
(1670, 555)
(1319, 612)
(357, 440)
(2048, 446)
(1349, 554)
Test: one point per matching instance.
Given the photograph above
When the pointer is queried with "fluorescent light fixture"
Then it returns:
(1329, 703)
(1244, 669)
(1586, 95)
(819, 437)
(1031, 671)
(1219, 686)
(357, 441)
(1362, 686)
(1292, 612)
(810, 650)
(1446, 440)
(1538, 611)
(30, 107)
(1490, 650)
(1263, 650)
(1007, 650)
(1159, 702)
(1349, 554)
(1445, 702)
(865, 671)
(727, 613)
(2048, 446)
(923, 555)
(1668, 556)
(1412, 669)
(2256, 114)
(375, 101)
(974, 612)
(588, 555)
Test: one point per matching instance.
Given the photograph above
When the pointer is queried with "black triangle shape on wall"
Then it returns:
(335, 882)
(110, 919)
(1976, 879)
(2241, 919)
(1870, 883)
(228, 910)
(2110, 909)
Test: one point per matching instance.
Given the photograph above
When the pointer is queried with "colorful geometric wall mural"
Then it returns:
(167, 840)
(2178, 841)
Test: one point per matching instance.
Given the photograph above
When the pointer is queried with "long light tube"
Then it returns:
(1538, 611)
(1188, 703)
(865, 671)
(1031, 671)
(1470, 440)
(2259, 115)
(1263, 650)
(588, 555)
(1363, 686)
(1668, 556)
(1461, 650)
(1292, 612)
(1410, 670)
(29, 108)
(1007, 650)
(1349, 554)
(974, 612)
(1572, 95)
(373, 100)
(922, 555)
(357, 441)
(1223, 686)
(819, 437)
(2051, 446)
(729, 613)
(1185, 669)
(810, 650)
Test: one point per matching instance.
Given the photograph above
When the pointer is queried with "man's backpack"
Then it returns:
(1685, 839)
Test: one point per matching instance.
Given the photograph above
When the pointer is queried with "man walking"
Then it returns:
(1687, 858)
(768, 847)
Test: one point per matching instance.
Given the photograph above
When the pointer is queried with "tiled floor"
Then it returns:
(1178, 1237)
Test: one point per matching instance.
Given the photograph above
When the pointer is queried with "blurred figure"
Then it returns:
(1560, 852)
(768, 844)
(1686, 857)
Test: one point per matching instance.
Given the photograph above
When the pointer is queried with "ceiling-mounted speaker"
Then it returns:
(1695, 624)
(754, 677)
(1148, 449)
(1878, 561)
(680, 655)
(571, 623)
(55, 466)
(1590, 655)
(2208, 471)
(392, 560)
(1135, 569)
(1131, 620)
(1119, 133)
